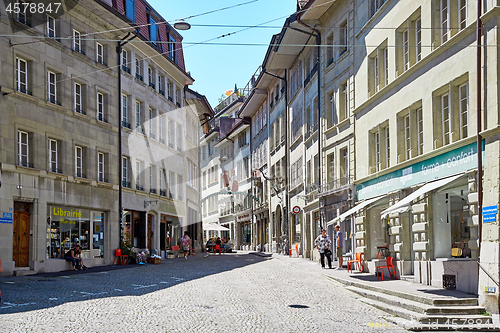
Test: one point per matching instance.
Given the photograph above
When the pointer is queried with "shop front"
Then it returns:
(243, 230)
(170, 232)
(425, 217)
(68, 226)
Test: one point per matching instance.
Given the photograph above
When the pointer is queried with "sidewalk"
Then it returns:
(369, 281)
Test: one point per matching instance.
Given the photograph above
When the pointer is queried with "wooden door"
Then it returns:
(21, 253)
(150, 228)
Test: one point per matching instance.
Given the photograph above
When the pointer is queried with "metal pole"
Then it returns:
(479, 138)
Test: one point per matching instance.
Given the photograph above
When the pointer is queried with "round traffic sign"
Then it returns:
(296, 209)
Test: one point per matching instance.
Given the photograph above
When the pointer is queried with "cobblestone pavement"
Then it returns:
(229, 293)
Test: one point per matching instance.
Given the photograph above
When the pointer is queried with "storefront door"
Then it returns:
(150, 232)
(20, 253)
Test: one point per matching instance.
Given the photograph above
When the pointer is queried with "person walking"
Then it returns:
(186, 244)
(323, 243)
(339, 240)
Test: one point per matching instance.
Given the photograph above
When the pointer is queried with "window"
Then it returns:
(53, 162)
(22, 15)
(100, 53)
(162, 182)
(409, 36)
(330, 170)
(379, 143)
(418, 38)
(406, 50)
(152, 178)
(375, 73)
(23, 150)
(242, 140)
(344, 166)
(151, 77)
(171, 185)
(445, 119)
(51, 27)
(100, 107)
(343, 41)
(385, 54)
(344, 102)
(51, 87)
(138, 126)
(204, 179)
(331, 117)
(22, 75)
(125, 62)
(77, 42)
(172, 47)
(125, 173)
(138, 69)
(463, 97)
(410, 133)
(179, 138)
(130, 9)
(329, 50)
(170, 91)
(375, 6)
(462, 13)
(153, 31)
(443, 11)
(79, 162)
(124, 111)
(178, 97)
(138, 180)
(151, 120)
(161, 119)
(78, 99)
(161, 85)
(171, 133)
(101, 163)
(179, 187)
(420, 131)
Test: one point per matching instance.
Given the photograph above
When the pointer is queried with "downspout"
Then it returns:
(119, 50)
(318, 48)
(286, 156)
(478, 137)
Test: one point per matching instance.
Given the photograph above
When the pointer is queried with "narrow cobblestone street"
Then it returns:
(232, 293)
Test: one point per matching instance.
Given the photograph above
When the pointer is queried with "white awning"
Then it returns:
(212, 226)
(404, 204)
(355, 209)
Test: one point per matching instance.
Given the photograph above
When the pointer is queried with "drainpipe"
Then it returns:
(125, 40)
(317, 34)
(287, 206)
(478, 137)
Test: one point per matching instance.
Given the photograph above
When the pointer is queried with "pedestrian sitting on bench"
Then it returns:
(73, 255)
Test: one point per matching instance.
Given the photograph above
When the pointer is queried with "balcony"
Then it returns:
(178, 104)
(53, 100)
(152, 85)
(125, 124)
(80, 111)
(163, 193)
(161, 92)
(336, 184)
(55, 170)
(101, 117)
(152, 190)
(102, 179)
(125, 69)
(311, 188)
(151, 136)
(139, 188)
(102, 63)
(139, 77)
(25, 164)
(80, 175)
(24, 91)
(162, 141)
(126, 184)
(170, 99)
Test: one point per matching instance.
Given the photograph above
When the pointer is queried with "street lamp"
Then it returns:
(182, 25)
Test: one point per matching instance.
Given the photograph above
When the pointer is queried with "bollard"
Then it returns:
(290, 253)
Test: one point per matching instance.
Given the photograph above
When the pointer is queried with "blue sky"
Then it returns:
(217, 68)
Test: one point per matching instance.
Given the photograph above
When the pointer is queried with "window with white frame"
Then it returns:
(125, 172)
(409, 36)
(379, 148)
(138, 69)
(152, 178)
(171, 134)
(79, 172)
(23, 148)
(377, 151)
(171, 185)
(420, 131)
(24, 12)
(407, 137)
(443, 19)
(418, 39)
(100, 53)
(53, 156)
(78, 97)
(375, 6)
(179, 138)
(138, 120)
(331, 117)
(376, 77)
(124, 111)
(170, 91)
(463, 98)
(329, 50)
(406, 50)
(161, 135)
(138, 174)
(100, 106)
(343, 40)
(22, 75)
(101, 164)
(178, 97)
(446, 118)
(125, 61)
(385, 57)
(77, 41)
(161, 84)
(410, 133)
(387, 147)
(51, 27)
(151, 125)
(151, 76)
(51, 87)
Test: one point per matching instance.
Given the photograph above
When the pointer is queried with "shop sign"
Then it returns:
(243, 217)
(6, 218)
(490, 214)
(449, 163)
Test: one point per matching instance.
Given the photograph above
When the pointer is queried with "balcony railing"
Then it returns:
(55, 170)
(125, 124)
(312, 187)
(152, 190)
(125, 69)
(163, 193)
(80, 175)
(25, 164)
(337, 183)
(152, 85)
(102, 179)
(139, 188)
(139, 77)
(178, 104)
(170, 99)
(161, 92)
(126, 184)
(102, 118)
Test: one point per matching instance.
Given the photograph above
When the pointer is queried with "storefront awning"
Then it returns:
(403, 205)
(212, 226)
(355, 209)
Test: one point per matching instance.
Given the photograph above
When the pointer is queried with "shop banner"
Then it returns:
(449, 163)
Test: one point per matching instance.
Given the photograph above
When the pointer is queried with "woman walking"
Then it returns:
(186, 244)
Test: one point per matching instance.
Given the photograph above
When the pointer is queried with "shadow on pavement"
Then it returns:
(46, 290)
